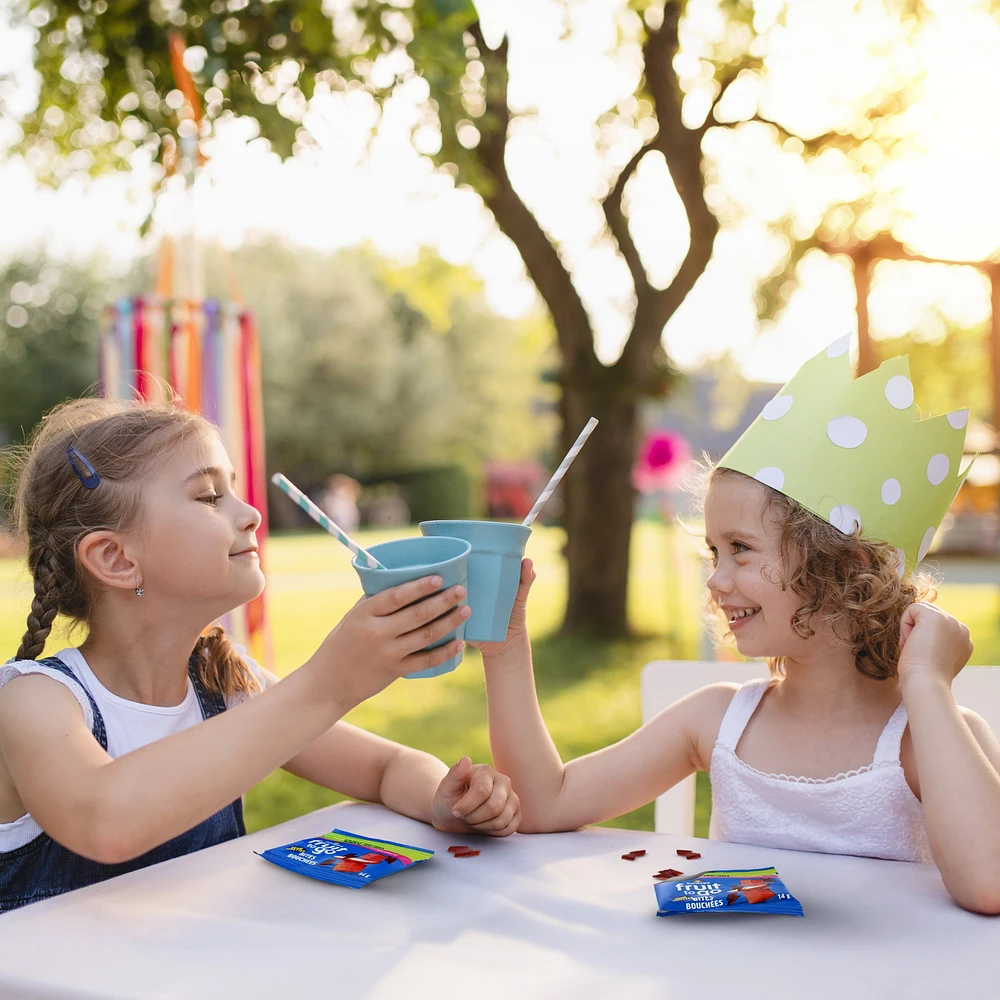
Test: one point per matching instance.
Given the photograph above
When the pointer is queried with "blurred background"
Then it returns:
(462, 229)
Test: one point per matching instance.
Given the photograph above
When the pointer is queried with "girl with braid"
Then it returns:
(137, 746)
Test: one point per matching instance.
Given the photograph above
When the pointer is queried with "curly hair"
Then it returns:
(850, 585)
(54, 511)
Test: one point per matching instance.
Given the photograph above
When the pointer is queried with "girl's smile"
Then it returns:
(739, 617)
(746, 580)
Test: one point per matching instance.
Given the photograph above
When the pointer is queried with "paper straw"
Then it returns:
(560, 472)
(295, 494)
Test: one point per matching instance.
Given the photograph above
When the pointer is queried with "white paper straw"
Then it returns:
(560, 472)
(297, 496)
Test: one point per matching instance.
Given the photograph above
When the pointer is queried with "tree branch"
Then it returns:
(618, 224)
(541, 258)
(681, 147)
(725, 80)
(812, 145)
(885, 246)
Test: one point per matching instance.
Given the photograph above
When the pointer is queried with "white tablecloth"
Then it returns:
(556, 916)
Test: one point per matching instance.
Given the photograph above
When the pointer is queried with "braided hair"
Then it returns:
(45, 603)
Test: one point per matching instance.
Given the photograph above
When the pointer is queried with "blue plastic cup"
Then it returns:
(494, 571)
(409, 559)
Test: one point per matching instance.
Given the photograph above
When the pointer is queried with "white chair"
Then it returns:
(665, 681)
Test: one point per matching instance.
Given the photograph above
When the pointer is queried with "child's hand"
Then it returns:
(382, 637)
(932, 643)
(475, 798)
(518, 627)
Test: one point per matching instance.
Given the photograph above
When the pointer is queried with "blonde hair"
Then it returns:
(848, 584)
(54, 511)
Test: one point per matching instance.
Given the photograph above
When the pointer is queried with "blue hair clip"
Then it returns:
(91, 480)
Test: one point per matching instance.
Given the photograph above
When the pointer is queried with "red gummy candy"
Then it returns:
(466, 854)
(668, 873)
(457, 847)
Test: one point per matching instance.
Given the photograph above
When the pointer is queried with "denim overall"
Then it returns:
(43, 868)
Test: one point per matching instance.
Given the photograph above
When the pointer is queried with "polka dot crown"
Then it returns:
(855, 453)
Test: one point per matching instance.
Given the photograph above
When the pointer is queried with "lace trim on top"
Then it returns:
(801, 780)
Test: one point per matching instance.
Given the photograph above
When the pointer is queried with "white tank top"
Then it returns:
(870, 812)
(129, 724)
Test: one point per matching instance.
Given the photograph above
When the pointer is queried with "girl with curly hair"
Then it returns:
(854, 744)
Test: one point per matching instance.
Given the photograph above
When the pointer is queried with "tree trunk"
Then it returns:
(598, 488)
(599, 501)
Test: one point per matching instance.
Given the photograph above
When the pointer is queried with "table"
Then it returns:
(553, 916)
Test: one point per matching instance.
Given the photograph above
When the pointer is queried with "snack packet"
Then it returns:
(346, 858)
(752, 890)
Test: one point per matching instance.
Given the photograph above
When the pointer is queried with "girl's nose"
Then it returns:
(719, 582)
(250, 519)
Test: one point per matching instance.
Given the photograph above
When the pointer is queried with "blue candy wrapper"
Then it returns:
(346, 858)
(751, 890)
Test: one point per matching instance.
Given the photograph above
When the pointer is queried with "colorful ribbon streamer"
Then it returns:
(208, 353)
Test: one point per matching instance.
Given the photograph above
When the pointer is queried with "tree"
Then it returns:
(375, 369)
(48, 340)
(947, 369)
(107, 88)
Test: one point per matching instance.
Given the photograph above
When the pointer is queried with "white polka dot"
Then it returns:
(899, 392)
(845, 519)
(925, 543)
(777, 407)
(846, 432)
(901, 568)
(771, 476)
(937, 469)
(839, 347)
(958, 419)
(891, 491)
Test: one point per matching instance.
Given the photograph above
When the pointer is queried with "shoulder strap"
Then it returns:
(210, 702)
(887, 749)
(100, 733)
(743, 705)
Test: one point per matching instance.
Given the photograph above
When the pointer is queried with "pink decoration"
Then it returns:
(661, 462)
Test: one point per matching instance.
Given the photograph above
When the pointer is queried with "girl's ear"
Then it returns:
(103, 556)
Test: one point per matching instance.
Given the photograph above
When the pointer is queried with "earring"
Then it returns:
(138, 588)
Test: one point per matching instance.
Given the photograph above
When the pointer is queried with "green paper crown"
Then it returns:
(855, 453)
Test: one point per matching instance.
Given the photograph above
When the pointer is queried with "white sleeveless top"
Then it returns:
(129, 724)
(870, 812)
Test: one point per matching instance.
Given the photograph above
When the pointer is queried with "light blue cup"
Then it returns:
(494, 571)
(410, 559)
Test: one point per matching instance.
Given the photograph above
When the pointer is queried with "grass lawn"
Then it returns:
(589, 690)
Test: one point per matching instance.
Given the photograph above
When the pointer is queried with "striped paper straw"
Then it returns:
(295, 494)
(561, 471)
